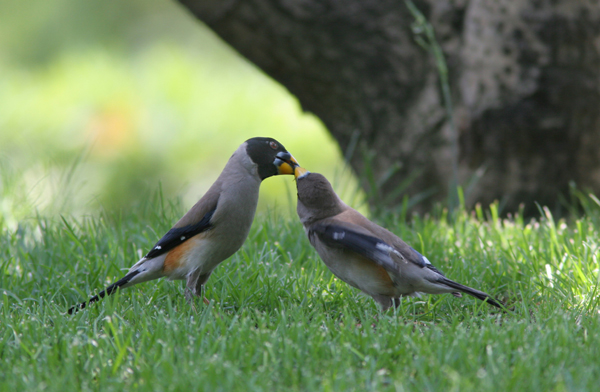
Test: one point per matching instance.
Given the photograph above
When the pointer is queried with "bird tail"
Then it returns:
(107, 291)
(468, 290)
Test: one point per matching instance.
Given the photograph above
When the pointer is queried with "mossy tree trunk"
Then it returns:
(524, 77)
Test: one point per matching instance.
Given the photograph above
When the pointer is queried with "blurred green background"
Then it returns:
(103, 103)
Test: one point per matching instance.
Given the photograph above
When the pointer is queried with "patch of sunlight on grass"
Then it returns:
(96, 128)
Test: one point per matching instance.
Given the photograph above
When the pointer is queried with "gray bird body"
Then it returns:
(364, 254)
(233, 198)
(215, 227)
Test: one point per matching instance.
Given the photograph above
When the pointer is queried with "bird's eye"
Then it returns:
(273, 145)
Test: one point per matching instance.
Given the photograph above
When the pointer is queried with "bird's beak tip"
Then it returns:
(300, 172)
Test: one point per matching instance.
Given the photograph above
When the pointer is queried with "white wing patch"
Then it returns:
(382, 246)
(339, 235)
(385, 247)
(424, 259)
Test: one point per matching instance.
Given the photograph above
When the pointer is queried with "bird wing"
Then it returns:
(179, 235)
(195, 221)
(422, 261)
(354, 238)
(362, 241)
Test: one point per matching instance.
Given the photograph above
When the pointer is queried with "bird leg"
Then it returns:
(384, 301)
(195, 286)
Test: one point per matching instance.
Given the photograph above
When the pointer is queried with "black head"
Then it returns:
(270, 156)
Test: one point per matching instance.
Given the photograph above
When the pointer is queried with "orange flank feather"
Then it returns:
(386, 283)
(177, 256)
(369, 268)
(377, 273)
(385, 276)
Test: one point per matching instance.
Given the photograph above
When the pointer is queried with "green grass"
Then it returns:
(99, 103)
(277, 320)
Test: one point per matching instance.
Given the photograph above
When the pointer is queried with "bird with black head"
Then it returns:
(215, 227)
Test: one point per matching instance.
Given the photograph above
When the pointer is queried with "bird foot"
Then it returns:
(190, 298)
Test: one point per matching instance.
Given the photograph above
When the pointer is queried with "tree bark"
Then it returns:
(524, 77)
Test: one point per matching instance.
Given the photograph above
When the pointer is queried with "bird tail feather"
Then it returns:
(471, 291)
(107, 291)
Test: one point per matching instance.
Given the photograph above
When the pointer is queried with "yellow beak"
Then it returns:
(283, 167)
(300, 172)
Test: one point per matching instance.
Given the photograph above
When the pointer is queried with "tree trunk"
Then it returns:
(524, 77)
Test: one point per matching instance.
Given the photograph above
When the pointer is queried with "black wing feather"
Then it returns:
(437, 271)
(179, 235)
(421, 261)
(370, 247)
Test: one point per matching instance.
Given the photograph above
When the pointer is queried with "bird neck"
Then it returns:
(308, 215)
(240, 168)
